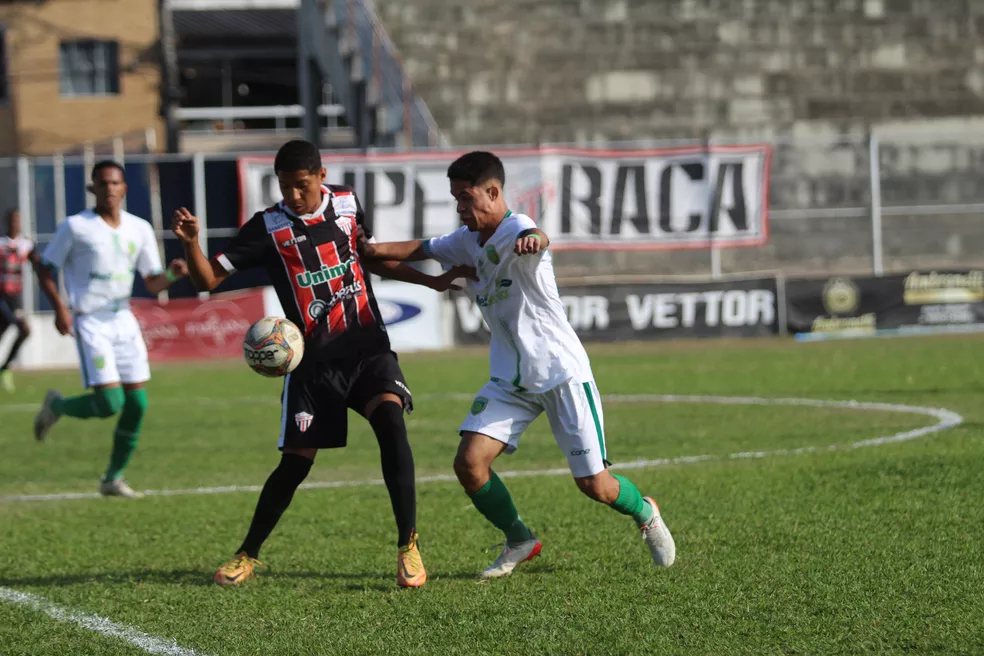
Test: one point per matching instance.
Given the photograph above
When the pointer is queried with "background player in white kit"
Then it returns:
(98, 251)
(537, 363)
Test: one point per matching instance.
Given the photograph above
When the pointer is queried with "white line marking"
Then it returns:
(98, 623)
(945, 419)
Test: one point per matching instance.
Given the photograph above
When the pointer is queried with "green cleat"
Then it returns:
(7, 381)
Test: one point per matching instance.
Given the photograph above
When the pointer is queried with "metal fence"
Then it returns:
(880, 203)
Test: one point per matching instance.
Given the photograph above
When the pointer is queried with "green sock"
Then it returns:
(101, 403)
(493, 501)
(127, 433)
(630, 501)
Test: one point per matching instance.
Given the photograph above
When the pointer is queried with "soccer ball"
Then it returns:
(273, 347)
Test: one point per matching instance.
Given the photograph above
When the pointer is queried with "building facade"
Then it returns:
(77, 72)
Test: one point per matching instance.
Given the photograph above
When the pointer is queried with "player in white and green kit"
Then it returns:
(537, 363)
(98, 251)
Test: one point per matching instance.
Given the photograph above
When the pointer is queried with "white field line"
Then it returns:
(944, 419)
(97, 623)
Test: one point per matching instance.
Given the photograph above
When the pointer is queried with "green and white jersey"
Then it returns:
(99, 262)
(534, 348)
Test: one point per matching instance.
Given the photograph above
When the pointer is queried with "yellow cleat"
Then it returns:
(410, 571)
(238, 570)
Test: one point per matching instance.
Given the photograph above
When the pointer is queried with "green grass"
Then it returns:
(834, 551)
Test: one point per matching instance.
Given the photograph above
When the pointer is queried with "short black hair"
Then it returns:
(477, 167)
(108, 164)
(297, 155)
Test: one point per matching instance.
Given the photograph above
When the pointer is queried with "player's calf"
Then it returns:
(602, 487)
(624, 497)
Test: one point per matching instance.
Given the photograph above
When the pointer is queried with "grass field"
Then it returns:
(842, 550)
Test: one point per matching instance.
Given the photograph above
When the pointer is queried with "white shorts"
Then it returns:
(574, 412)
(111, 348)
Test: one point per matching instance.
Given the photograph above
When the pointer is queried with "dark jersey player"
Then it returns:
(308, 244)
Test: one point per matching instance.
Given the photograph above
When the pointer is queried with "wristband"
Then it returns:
(170, 276)
(538, 237)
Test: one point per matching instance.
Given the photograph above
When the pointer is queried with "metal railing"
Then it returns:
(389, 87)
(884, 203)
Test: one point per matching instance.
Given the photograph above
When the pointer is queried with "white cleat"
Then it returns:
(511, 556)
(657, 536)
(118, 488)
(46, 417)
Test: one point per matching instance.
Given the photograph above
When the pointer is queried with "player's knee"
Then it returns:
(387, 421)
(109, 401)
(135, 402)
(25, 329)
(469, 472)
(597, 487)
(294, 468)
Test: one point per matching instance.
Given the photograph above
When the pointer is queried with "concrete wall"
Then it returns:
(810, 75)
(495, 71)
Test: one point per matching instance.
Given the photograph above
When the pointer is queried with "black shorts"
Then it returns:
(317, 397)
(10, 309)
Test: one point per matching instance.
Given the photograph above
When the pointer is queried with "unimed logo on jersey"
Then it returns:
(655, 199)
(326, 274)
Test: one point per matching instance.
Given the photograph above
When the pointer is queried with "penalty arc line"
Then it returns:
(945, 419)
(98, 624)
(168, 647)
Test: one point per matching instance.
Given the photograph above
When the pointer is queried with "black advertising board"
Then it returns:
(606, 313)
(918, 302)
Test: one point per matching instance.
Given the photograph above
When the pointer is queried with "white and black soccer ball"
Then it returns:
(273, 347)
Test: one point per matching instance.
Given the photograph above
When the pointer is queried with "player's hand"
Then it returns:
(362, 243)
(185, 225)
(63, 322)
(529, 244)
(178, 268)
(445, 281)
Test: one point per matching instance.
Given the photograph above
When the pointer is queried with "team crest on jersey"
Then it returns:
(493, 256)
(133, 247)
(344, 204)
(479, 405)
(345, 223)
(303, 420)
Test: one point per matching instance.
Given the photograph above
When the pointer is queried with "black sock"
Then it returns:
(21, 338)
(396, 458)
(274, 499)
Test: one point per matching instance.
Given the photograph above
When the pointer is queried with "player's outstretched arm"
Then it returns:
(398, 251)
(399, 271)
(532, 241)
(157, 283)
(205, 274)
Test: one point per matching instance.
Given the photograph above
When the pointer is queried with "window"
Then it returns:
(3, 64)
(89, 68)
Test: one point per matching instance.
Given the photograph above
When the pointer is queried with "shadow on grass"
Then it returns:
(357, 582)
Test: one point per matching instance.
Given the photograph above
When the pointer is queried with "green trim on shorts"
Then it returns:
(597, 420)
(78, 346)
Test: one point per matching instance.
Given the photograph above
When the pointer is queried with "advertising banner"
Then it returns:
(605, 313)
(656, 199)
(187, 328)
(919, 302)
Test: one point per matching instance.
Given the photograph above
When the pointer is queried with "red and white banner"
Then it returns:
(187, 328)
(689, 197)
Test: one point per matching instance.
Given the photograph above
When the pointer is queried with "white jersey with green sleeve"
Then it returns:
(99, 262)
(534, 348)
